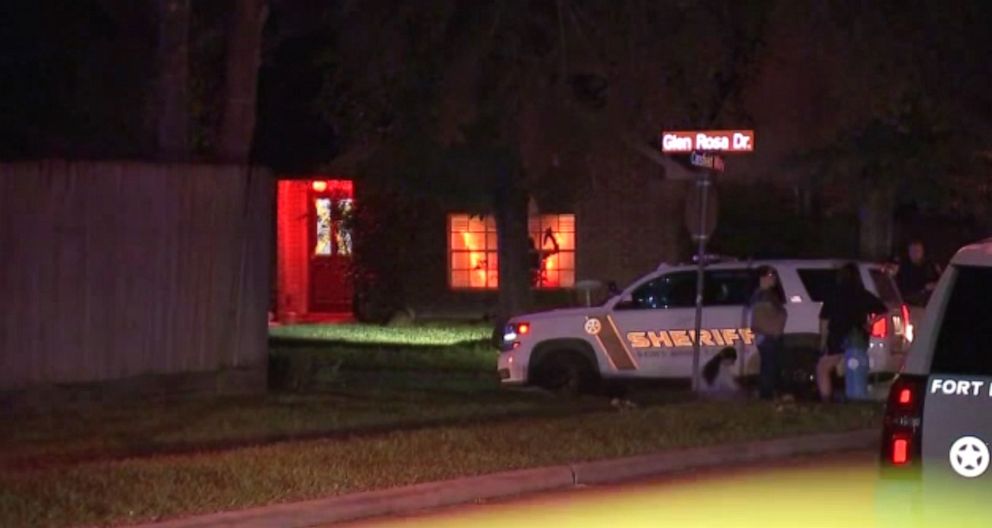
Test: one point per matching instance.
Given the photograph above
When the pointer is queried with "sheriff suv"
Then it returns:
(938, 423)
(647, 331)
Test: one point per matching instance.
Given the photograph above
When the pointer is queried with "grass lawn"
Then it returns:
(341, 389)
(421, 334)
(353, 403)
(146, 488)
(364, 415)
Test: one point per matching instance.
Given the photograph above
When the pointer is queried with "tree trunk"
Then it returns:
(171, 113)
(876, 222)
(244, 56)
(510, 206)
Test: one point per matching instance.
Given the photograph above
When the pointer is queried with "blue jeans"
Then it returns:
(769, 349)
(855, 373)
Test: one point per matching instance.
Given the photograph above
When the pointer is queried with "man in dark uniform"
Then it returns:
(917, 276)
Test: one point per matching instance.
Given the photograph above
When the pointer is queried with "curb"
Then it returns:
(430, 495)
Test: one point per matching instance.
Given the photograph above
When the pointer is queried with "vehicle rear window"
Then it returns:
(885, 288)
(819, 282)
(964, 344)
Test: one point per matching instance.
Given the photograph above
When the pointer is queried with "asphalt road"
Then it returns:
(839, 490)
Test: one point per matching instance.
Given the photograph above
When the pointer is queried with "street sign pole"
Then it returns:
(703, 184)
(702, 146)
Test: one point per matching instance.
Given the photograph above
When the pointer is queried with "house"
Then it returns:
(442, 260)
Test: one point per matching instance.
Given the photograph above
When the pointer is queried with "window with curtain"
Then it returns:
(473, 251)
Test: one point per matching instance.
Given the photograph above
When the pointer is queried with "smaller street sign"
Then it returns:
(704, 160)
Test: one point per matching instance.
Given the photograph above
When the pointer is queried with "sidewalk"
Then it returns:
(459, 491)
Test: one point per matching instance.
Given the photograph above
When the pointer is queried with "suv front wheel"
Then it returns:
(566, 373)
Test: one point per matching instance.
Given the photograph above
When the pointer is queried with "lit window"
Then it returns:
(553, 250)
(323, 208)
(473, 259)
(342, 228)
(473, 251)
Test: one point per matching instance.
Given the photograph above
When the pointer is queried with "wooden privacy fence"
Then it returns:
(115, 270)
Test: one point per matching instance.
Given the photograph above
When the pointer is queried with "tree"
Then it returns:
(911, 119)
(171, 108)
(494, 93)
(244, 48)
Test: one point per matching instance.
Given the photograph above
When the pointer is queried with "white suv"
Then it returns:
(647, 331)
(938, 422)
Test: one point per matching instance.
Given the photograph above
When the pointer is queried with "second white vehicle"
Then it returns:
(647, 331)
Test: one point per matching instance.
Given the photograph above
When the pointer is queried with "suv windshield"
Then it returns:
(964, 344)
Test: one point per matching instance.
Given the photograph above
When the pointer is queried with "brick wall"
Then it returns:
(628, 222)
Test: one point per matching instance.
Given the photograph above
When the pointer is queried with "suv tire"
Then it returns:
(798, 372)
(567, 373)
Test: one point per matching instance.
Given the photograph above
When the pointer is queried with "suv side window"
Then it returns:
(675, 290)
(819, 282)
(964, 344)
(730, 287)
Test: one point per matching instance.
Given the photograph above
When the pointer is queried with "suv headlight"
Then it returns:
(515, 331)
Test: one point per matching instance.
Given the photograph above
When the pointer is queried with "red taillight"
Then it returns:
(523, 328)
(905, 397)
(900, 450)
(902, 425)
(905, 316)
(880, 327)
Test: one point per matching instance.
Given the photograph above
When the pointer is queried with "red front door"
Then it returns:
(330, 248)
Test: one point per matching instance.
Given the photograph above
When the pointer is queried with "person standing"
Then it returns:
(917, 276)
(844, 320)
(768, 318)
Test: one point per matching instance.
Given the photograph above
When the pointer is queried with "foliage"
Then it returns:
(764, 221)
(919, 123)
(481, 104)
(207, 49)
(75, 79)
(383, 223)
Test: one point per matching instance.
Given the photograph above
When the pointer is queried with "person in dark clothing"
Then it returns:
(844, 320)
(718, 375)
(768, 318)
(917, 276)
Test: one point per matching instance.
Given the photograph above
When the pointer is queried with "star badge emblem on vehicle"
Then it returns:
(593, 326)
(969, 456)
